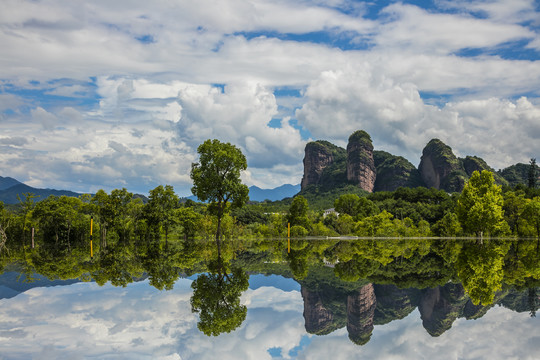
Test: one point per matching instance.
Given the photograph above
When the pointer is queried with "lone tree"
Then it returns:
(216, 178)
(479, 207)
(532, 174)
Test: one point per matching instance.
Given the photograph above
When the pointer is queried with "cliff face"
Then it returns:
(328, 167)
(323, 164)
(318, 319)
(394, 303)
(317, 158)
(360, 314)
(360, 163)
(394, 172)
(441, 306)
(440, 168)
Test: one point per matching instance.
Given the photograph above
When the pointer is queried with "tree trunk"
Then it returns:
(218, 231)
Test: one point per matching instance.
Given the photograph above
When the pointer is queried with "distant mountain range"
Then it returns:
(258, 194)
(10, 188)
(279, 193)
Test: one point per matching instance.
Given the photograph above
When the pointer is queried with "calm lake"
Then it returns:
(256, 299)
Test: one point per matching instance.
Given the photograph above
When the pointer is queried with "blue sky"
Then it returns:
(119, 94)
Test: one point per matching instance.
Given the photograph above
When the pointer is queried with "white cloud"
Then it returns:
(412, 29)
(399, 121)
(143, 76)
(140, 322)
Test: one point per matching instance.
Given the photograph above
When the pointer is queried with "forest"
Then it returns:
(485, 209)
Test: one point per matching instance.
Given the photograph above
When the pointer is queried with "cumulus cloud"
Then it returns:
(160, 79)
(401, 122)
(240, 115)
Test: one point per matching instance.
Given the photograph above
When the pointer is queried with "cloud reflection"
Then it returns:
(84, 320)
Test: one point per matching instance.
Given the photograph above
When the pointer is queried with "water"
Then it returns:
(387, 299)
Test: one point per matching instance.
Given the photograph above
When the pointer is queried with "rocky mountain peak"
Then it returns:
(439, 167)
(360, 163)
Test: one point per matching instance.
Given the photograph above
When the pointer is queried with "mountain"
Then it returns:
(9, 195)
(330, 168)
(517, 174)
(325, 165)
(258, 194)
(7, 182)
(279, 193)
(394, 172)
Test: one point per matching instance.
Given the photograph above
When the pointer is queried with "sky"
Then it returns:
(84, 320)
(111, 94)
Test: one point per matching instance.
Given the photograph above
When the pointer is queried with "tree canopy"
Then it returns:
(216, 178)
(479, 207)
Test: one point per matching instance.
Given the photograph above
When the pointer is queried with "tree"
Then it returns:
(27, 204)
(479, 207)
(216, 297)
(480, 268)
(160, 209)
(447, 226)
(297, 214)
(189, 220)
(531, 213)
(347, 204)
(514, 202)
(533, 176)
(216, 178)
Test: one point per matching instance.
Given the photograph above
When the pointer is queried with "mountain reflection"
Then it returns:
(345, 284)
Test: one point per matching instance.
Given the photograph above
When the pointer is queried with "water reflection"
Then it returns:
(352, 290)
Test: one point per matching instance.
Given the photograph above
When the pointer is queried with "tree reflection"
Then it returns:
(480, 269)
(216, 297)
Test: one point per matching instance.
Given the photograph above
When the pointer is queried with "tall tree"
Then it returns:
(479, 207)
(531, 213)
(216, 178)
(27, 205)
(297, 215)
(160, 209)
(533, 175)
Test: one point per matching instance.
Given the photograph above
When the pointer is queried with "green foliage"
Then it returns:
(448, 226)
(474, 163)
(216, 297)
(517, 174)
(160, 209)
(320, 199)
(479, 207)
(216, 177)
(376, 225)
(532, 174)
(394, 172)
(298, 231)
(362, 138)
(347, 204)
(189, 220)
(298, 213)
(531, 213)
(514, 202)
(480, 269)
